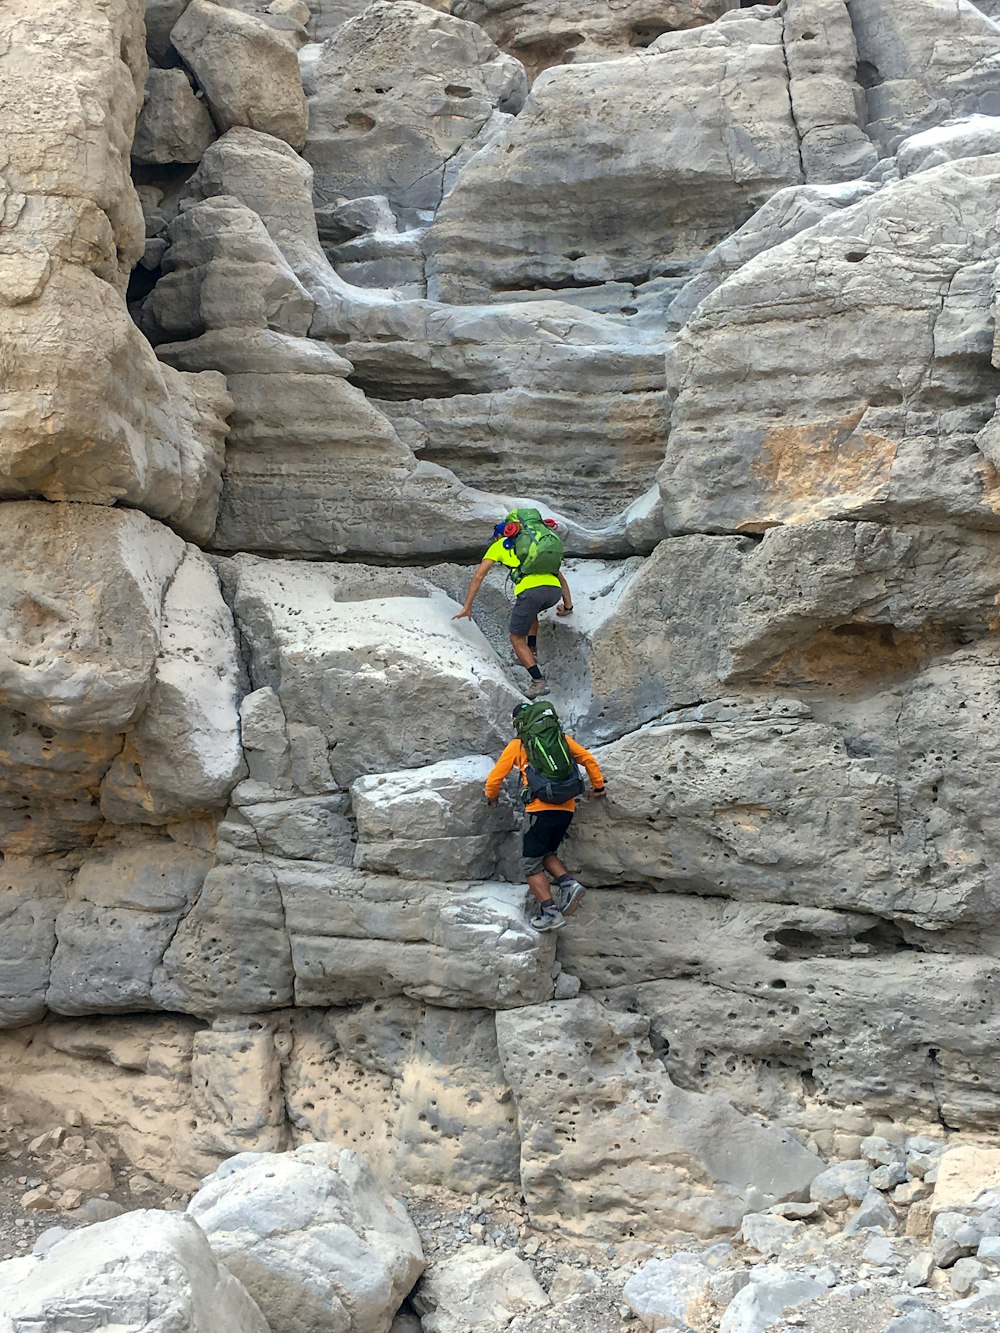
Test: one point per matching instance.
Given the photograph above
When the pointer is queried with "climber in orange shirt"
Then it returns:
(548, 826)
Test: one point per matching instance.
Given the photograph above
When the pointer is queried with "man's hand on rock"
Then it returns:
(462, 615)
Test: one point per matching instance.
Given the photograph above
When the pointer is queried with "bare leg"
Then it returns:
(539, 886)
(555, 867)
(522, 652)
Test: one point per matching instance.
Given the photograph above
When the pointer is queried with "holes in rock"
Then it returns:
(801, 942)
(856, 256)
(644, 34)
(808, 37)
(457, 90)
(866, 74)
(357, 120)
(886, 937)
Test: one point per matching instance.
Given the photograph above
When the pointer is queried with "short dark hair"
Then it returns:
(516, 709)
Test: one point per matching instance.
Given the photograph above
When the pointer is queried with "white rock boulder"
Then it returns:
(144, 1271)
(314, 1237)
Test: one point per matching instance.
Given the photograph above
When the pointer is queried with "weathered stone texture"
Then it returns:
(402, 95)
(632, 169)
(542, 34)
(250, 76)
(883, 422)
(146, 1270)
(598, 1112)
(314, 1237)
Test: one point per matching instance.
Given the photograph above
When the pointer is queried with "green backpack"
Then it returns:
(537, 547)
(552, 772)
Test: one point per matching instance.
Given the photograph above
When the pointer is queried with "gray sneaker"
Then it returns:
(547, 921)
(569, 895)
(535, 689)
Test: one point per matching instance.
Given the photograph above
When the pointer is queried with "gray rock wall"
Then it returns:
(720, 295)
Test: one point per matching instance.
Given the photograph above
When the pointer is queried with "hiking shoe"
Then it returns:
(547, 921)
(569, 895)
(536, 688)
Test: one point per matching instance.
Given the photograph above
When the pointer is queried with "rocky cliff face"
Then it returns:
(719, 292)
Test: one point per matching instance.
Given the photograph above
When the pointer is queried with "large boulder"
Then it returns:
(89, 414)
(881, 416)
(314, 1237)
(599, 1115)
(678, 158)
(371, 660)
(144, 1271)
(432, 823)
(476, 1287)
(80, 619)
(922, 63)
(174, 125)
(403, 94)
(249, 74)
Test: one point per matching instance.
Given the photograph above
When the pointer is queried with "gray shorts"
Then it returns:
(528, 605)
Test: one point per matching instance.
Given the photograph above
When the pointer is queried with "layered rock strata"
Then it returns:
(246, 858)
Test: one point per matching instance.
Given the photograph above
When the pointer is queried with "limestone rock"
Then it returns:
(907, 323)
(771, 1291)
(351, 651)
(446, 1115)
(126, 903)
(431, 823)
(81, 612)
(89, 415)
(313, 1236)
(183, 755)
(870, 602)
(488, 392)
(667, 1293)
(474, 1288)
(401, 92)
(542, 34)
(662, 1156)
(222, 270)
(174, 125)
(714, 838)
(52, 60)
(161, 15)
(962, 1173)
(249, 75)
(922, 63)
(788, 212)
(236, 1089)
(111, 423)
(144, 1270)
(972, 136)
(324, 935)
(561, 189)
(31, 896)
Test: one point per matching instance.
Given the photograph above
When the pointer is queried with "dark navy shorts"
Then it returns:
(528, 605)
(542, 838)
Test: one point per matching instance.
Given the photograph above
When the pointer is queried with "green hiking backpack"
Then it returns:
(552, 773)
(537, 546)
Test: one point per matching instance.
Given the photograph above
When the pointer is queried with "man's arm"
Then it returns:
(499, 771)
(566, 605)
(590, 764)
(477, 580)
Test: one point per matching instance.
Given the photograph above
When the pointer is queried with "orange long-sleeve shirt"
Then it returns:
(515, 755)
